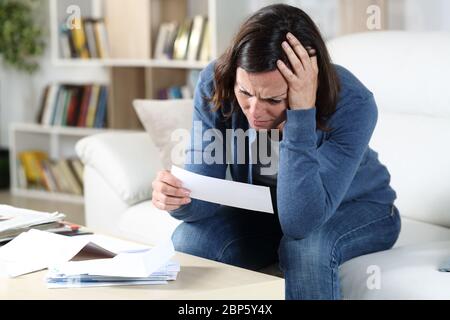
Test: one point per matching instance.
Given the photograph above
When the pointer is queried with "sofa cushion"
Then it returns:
(407, 272)
(413, 130)
(125, 160)
(416, 232)
(416, 151)
(169, 123)
(147, 224)
(389, 64)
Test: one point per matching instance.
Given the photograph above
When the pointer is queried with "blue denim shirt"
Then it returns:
(317, 170)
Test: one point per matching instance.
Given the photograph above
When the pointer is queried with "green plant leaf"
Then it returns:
(21, 39)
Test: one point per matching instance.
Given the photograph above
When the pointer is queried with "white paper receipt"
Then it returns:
(225, 192)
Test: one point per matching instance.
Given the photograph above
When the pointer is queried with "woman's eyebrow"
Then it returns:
(274, 97)
(241, 87)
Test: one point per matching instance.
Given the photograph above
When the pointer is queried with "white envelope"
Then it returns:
(225, 192)
(37, 250)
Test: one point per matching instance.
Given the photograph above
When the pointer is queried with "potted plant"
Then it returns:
(21, 43)
(20, 36)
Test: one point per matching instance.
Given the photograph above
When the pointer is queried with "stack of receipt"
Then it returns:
(57, 278)
(146, 267)
(14, 221)
(87, 261)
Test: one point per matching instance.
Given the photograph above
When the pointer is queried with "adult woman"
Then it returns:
(333, 198)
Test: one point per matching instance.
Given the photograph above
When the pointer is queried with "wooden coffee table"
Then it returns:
(199, 279)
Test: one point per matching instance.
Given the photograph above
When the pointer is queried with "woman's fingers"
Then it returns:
(299, 57)
(174, 201)
(286, 72)
(169, 190)
(168, 203)
(289, 75)
(164, 207)
(167, 177)
(168, 193)
(300, 52)
(312, 52)
(315, 65)
(296, 63)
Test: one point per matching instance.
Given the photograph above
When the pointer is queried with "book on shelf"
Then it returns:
(66, 43)
(31, 164)
(79, 40)
(181, 43)
(74, 106)
(181, 92)
(93, 103)
(89, 29)
(188, 40)
(43, 102)
(77, 167)
(195, 37)
(165, 40)
(102, 40)
(100, 115)
(89, 41)
(70, 176)
(21, 176)
(39, 172)
(175, 92)
(205, 47)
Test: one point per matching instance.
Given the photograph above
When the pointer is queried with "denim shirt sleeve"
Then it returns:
(205, 120)
(313, 181)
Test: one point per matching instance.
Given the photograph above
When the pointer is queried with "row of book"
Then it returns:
(175, 92)
(85, 39)
(181, 92)
(37, 171)
(189, 40)
(74, 106)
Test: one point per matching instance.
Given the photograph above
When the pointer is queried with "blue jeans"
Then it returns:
(310, 265)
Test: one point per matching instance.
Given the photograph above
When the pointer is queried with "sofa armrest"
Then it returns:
(127, 161)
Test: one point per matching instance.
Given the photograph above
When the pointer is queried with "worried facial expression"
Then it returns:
(263, 97)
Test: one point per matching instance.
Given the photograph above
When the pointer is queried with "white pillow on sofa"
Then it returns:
(415, 149)
(161, 119)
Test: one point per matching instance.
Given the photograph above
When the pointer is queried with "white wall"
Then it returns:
(420, 15)
(323, 12)
(413, 15)
(430, 15)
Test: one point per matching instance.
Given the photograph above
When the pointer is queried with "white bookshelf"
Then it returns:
(58, 142)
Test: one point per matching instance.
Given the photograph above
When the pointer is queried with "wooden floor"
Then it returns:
(74, 212)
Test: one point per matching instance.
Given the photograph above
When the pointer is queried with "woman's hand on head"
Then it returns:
(168, 192)
(303, 80)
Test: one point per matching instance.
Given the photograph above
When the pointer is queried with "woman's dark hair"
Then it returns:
(257, 47)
